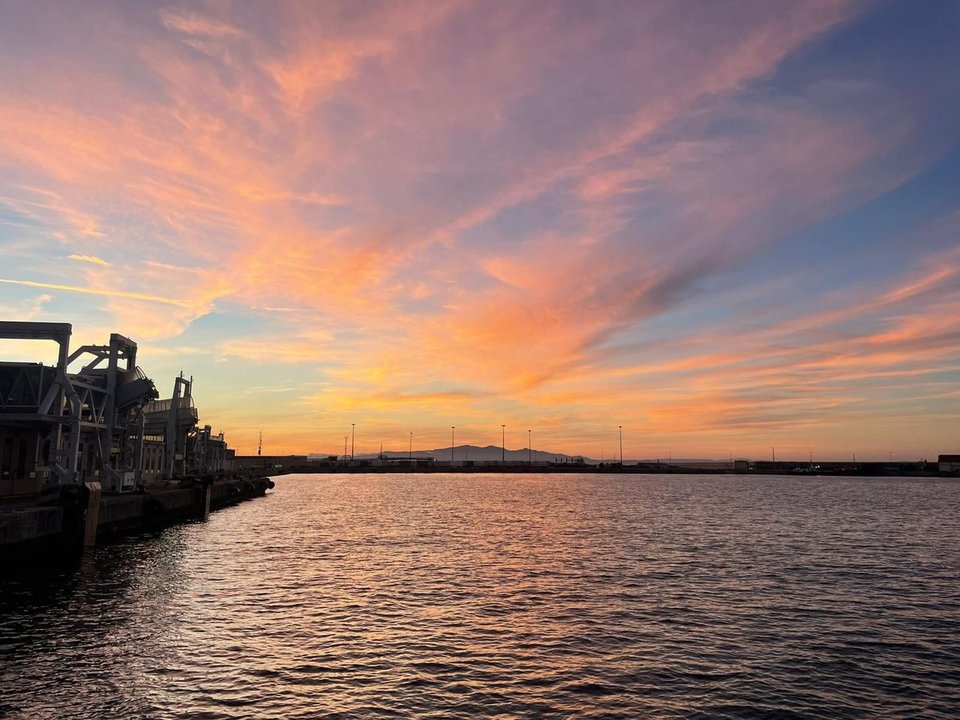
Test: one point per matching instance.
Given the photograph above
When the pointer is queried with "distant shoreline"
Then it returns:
(788, 469)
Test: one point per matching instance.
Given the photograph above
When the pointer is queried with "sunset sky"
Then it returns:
(724, 226)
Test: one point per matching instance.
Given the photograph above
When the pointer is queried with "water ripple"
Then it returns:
(432, 596)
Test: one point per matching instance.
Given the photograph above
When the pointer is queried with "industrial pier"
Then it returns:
(92, 452)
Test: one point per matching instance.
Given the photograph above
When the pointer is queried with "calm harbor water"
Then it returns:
(472, 596)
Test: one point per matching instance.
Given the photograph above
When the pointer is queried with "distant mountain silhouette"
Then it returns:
(492, 453)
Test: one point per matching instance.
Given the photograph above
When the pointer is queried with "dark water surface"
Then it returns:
(445, 596)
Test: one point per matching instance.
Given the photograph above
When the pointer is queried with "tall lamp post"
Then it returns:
(503, 444)
(353, 438)
(529, 447)
(621, 443)
(411, 445)
(453, 435)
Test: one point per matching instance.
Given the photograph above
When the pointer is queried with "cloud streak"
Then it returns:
(92, 259)
(94, 291)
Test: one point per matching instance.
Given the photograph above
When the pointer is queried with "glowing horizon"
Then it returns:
(723, 227)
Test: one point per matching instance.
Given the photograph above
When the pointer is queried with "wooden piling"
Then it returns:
(206, 492)
(91, 517)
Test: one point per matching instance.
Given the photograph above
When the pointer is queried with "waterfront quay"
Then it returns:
(65, 521)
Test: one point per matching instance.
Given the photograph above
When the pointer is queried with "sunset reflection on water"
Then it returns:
(508, 596)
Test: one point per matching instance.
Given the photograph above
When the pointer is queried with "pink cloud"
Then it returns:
(374, 171)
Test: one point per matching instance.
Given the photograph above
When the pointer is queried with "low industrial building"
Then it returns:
(949, 464)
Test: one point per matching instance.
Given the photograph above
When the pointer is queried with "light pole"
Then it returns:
(353, 438)
(453, 435)
(411, 446)
(621, 443)
(345, 438)
(529, 447)
(503, 444)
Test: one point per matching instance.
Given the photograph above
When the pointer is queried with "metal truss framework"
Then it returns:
(108, 405)
(100, 402)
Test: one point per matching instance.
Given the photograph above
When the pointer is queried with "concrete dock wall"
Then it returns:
(25, 525)
(27, 531)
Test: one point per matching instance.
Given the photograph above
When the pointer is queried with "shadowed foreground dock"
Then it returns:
(69, 519)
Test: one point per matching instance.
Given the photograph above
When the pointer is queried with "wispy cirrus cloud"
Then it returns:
(92, 291)
(475, 209)
(92, 259)
(196, 24)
